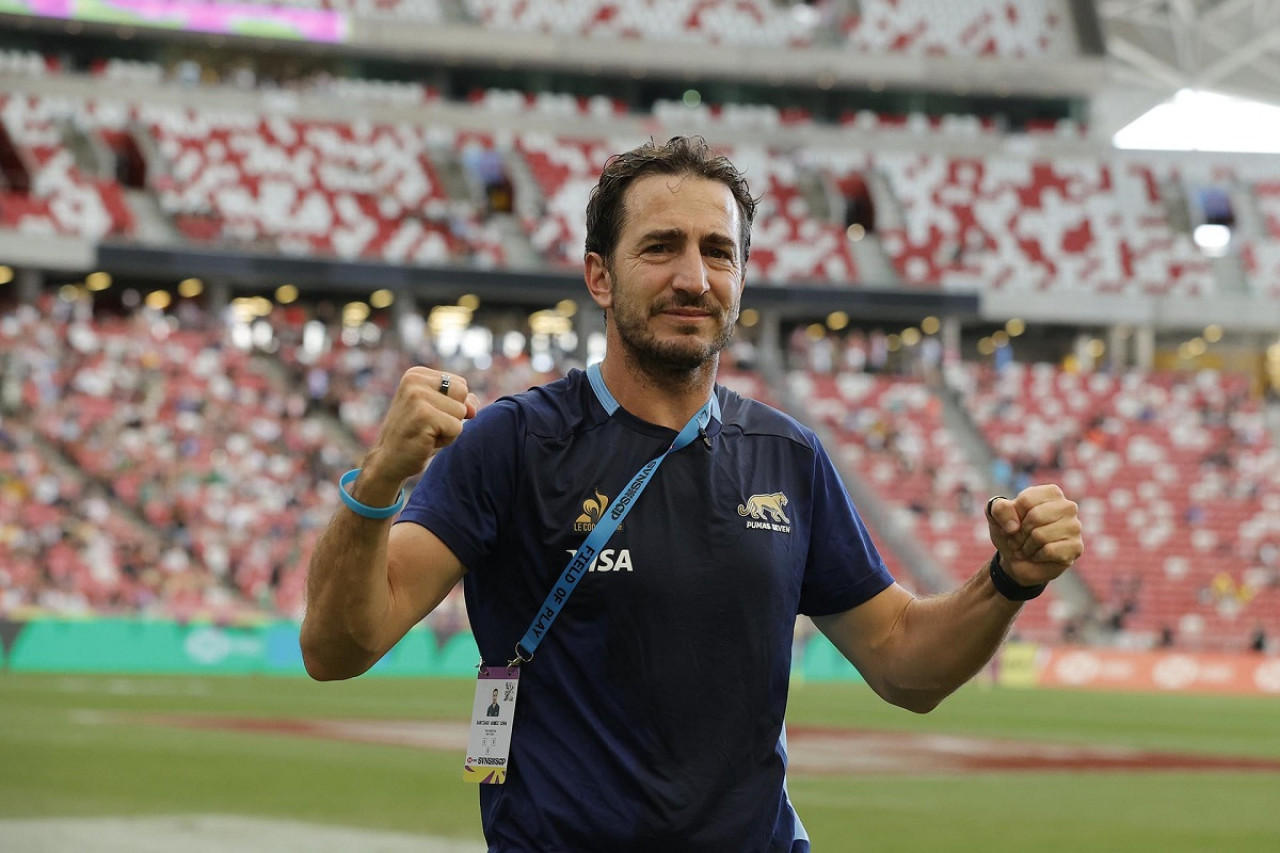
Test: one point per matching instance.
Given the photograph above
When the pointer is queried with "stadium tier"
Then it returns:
(195, 441)
(371, 190)
(63, 547)
(306, 188)
(202, 472)
(218, 466)
(971, 28)
(45, 191)
(425, 11)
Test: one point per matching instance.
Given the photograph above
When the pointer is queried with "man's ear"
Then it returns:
(599, 280)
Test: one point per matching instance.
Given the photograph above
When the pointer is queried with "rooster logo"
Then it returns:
(592, 511)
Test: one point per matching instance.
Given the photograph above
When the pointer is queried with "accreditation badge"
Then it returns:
(492, 715)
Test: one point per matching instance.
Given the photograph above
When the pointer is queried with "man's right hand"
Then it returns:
(421, 420)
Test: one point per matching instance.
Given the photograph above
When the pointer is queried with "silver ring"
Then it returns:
(444, 383)
(993, 500)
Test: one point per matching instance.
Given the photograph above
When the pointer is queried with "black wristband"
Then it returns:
(1008, 587)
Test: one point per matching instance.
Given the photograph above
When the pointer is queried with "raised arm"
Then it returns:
(369, 582)
(915, 651)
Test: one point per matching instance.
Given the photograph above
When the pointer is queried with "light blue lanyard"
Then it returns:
(590, 547)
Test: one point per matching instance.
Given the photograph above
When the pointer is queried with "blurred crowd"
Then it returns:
(177, 464)
(149, 465)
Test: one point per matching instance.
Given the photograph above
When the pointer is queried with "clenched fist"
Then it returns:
(425, 415)
(1037, 533)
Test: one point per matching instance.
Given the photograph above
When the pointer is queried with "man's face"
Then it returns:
(675, 283)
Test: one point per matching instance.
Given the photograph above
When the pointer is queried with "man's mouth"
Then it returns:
(685, 312)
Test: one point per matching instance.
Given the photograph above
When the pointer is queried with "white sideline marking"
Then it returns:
(210, 834)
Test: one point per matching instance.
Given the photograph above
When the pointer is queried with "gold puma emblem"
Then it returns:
(758, 505)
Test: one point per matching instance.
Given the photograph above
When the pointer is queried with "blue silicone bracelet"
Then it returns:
(364, 509)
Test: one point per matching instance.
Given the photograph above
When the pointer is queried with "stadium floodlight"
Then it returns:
(1196, 120)
(1212, 239)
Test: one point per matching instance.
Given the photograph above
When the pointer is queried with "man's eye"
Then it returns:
(657, 247)
(719, 253)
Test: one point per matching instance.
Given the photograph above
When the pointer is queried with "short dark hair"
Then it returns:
(681, 155)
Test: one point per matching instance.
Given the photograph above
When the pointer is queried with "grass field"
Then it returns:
(69, 748)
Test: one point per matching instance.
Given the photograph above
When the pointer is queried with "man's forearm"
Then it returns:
(946, 639)
(348, 597)
(358, 603)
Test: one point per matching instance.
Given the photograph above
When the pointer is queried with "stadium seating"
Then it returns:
(973, 28)
(62, 548)
(211, 454)
(788, 242)
(24, 63)
(58, 197)
(1267, 194)
(1178, 482)
(960, 28)
(351, 190)
(1262, 253)
(356, 382)
(1001, 223)
(739, 22)
(890, 430)
(218, 472)
(418, 11)
(371, 191)
(1089, 223)
(64, 545)
(206, 472)
(565, 171)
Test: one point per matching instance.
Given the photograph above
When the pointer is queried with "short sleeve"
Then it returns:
(466, 494)
(843, 569)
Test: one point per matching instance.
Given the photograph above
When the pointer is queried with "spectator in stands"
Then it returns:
(931, 359)
(1268, 554)
(798, 344)
(744, 354)
(188, 72)
(877, 351)
(855, 351)
(1258, 642)
(690, 588)
(822, 356)
(859, 209)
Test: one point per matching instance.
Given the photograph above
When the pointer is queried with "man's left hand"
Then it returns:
(1037, 534)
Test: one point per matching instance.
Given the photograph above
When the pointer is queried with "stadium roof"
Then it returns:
(1157, 48)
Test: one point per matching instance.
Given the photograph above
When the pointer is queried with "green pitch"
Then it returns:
(78, 746)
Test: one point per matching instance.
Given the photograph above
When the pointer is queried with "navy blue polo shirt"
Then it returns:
(652, 714)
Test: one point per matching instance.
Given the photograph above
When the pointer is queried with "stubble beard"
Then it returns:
(678, 358)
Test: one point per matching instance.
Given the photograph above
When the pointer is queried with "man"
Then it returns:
(691, 602)
(494, 709)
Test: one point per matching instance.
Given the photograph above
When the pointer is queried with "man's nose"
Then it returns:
(690, 274)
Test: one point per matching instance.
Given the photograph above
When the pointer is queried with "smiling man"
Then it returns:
(652, 672)
(676, 260)
(670, 277)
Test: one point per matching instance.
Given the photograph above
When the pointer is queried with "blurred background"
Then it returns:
(998, 243)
